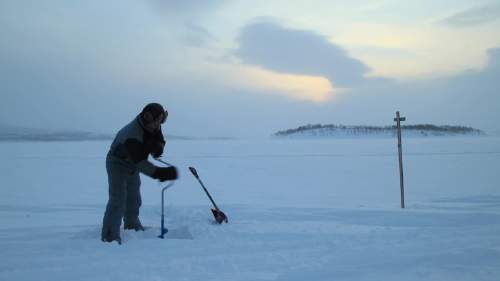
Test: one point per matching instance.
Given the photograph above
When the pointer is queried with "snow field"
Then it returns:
(298, 210)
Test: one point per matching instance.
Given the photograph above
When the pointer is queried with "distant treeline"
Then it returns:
(48, 136)
(419, 129)
(54, 136)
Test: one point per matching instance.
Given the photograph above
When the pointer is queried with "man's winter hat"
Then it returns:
(152, 111)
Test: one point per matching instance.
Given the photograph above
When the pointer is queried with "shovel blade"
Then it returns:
(219, 216)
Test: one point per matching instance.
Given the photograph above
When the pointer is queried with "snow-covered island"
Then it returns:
(419, 130)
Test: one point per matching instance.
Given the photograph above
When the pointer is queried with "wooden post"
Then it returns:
(398, 120)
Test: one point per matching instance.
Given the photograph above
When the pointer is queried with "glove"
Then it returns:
(165, 174)
(157, 149)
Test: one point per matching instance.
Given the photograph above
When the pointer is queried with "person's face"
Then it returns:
(155, 124)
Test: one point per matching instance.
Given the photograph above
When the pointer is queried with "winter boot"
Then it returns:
(110, 237)
(134, 224)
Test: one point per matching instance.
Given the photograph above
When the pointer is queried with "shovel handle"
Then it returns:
(193, 170)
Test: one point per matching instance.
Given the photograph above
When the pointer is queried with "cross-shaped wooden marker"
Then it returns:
(398, 120)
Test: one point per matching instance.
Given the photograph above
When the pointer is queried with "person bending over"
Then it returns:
(127, 157)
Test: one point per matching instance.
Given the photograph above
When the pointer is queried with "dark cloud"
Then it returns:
(187, 17)
(471, 98)
(476, 94)
(474, 16)
(183, 7)
(494, 60)
(274, 47)
(196, 35)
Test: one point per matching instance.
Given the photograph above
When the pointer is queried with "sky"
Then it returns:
(249, 68)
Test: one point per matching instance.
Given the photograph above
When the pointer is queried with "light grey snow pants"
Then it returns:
(124, 197)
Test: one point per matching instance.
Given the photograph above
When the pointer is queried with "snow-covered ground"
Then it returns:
(298, 210)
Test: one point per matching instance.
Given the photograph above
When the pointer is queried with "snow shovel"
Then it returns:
(163, 229)
(218, 214)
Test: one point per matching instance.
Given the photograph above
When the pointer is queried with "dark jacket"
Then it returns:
(132, 146)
